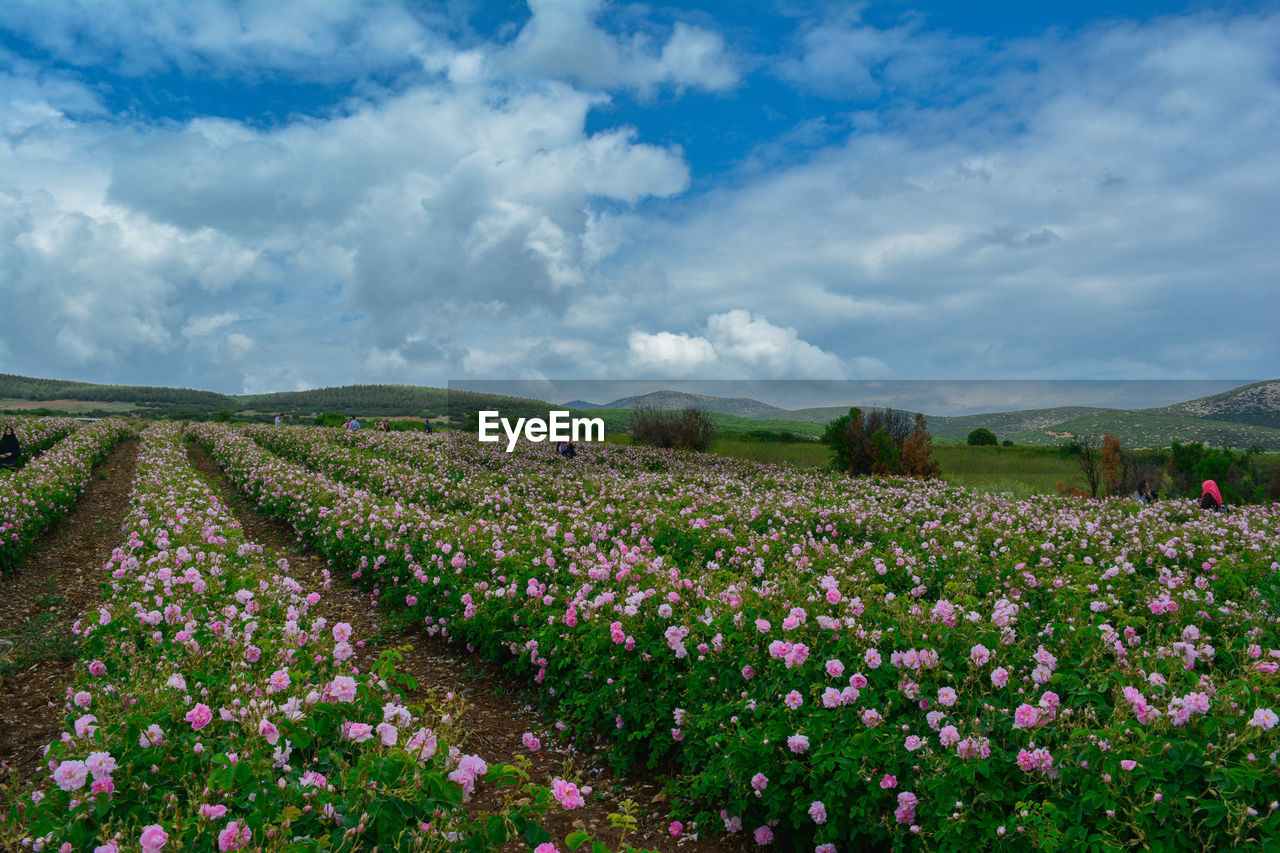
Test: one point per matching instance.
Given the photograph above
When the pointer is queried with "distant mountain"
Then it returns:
(1257, 404)
(743, 407)
(582, 405)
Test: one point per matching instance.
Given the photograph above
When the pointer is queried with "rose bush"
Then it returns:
(214, 709)
(834, 663)
(45, 488)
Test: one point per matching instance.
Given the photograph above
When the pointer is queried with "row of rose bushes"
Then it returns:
(216, 710)
(45, 488)
(36, 435)
(825, 661)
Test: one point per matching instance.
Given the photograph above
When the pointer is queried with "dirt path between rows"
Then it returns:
(496, 709)
(39, 601)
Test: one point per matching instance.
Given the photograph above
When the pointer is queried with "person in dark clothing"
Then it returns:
(426, 425)
(1210, 496)
(1143, 493)
(10, 450)
(567, 450)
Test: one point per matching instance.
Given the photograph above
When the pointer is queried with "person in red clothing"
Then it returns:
(1210, 496)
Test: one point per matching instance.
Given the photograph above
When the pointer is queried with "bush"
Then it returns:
(982, 437)
(690, 429)
(886, 441)
(329, 419)
(1006, 443)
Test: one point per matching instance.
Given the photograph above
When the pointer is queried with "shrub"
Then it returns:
(982, 437)
(690, 429)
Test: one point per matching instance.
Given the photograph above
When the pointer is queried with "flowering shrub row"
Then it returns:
(837, 663)
(37, 434)
(215, 710)
(45, 488)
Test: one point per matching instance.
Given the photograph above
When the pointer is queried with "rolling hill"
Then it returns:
(743, 407)
(1257, 404)
(1241, 418)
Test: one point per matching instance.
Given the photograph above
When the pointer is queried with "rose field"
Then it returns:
(811, 662)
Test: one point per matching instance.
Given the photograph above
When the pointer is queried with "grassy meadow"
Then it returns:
(1017, 470)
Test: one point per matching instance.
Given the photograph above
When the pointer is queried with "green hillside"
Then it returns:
(1145, 429)
(1257, 404)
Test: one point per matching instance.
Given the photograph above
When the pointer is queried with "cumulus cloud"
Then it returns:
(735, 343)
(1069, 204)
(563, 38)
(1042, 228)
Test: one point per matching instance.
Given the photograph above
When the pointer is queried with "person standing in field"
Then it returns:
(279, 420)
(353, 425)
(1210, 496)
(1143, 494)
(426, 426)
(10, 449)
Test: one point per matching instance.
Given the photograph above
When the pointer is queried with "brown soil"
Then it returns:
(496, 708)
(60, 580)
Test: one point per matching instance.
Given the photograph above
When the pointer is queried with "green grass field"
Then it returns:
(1017, 470)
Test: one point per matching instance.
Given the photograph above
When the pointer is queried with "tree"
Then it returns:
(982, 437)
(1090, 463)
(878, 443)
(1115, 467)
(916, 458)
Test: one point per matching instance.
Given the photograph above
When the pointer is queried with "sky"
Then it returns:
(269, 196)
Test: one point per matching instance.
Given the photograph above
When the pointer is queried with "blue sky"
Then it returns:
(268, 196)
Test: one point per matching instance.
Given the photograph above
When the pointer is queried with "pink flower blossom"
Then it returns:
(70, 775)
(84, 725)
(887, 782)
(1264, 718)
(566, 794)
(278, 681)
(153, 838)
(100, 764)
(199, 716)
(234, 837)
(818, 811)
(358, 732)
(341, 689)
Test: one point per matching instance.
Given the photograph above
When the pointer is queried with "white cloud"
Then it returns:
(562, 39)
(1066, 205)
(237, 347)
(198, 327)
(735, 343)
(670, 354)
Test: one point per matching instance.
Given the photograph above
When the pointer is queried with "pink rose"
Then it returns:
(153, 838)
(199, 716)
